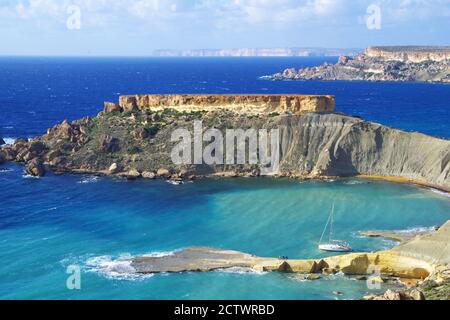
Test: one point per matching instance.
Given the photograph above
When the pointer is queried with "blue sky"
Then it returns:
(126, 27)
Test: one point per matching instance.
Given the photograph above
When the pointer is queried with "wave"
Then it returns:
(28, 176)
(241, 270)
(114, 269)
(160, 254)
(120, 268)
(87, 180)
(439, 192)
(414, 230)
(9, 140)
(356, 182)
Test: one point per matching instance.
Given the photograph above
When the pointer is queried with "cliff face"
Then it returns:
(295, 104)
(312, 145)
(337, 145)
(414, 54)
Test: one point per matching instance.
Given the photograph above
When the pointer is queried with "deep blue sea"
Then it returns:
(54, 222)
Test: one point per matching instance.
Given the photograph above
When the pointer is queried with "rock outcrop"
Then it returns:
(400, 235)
(295, 104)
(421, 64)
(412, 54)
(35, 168)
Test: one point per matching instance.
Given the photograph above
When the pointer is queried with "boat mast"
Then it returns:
(331, 222)
(330, 219)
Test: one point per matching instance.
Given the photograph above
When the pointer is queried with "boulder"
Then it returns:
(37, 147)
(64, 130)
(28, 156)
(128, 103)
(357, 266)
(133, 174)
(111, 107)
(2, 157)
(35, 168)
(50, 156)
(2, 142)
(318, 267)
(391, 295)
(148, 175)
(114, 168)
(140, 134)
(109, 144)
(343, 60)
(415, 294)
(163, 173)
(10, 153)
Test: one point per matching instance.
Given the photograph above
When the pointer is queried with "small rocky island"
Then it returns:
(132, 139)
(408, 63)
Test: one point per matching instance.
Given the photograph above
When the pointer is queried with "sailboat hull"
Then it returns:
(334, 248)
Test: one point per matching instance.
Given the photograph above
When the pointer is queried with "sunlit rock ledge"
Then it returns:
(295, 104)
(416, 258)
(425, 258)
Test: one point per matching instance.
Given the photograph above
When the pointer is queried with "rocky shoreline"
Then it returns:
(412, 64)
(133, 140)
(424, 258)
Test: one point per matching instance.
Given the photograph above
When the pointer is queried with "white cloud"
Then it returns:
(219, 13)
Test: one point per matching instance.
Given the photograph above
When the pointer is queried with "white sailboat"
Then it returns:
(333, 245)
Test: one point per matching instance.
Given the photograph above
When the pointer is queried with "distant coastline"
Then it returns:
(258, 52)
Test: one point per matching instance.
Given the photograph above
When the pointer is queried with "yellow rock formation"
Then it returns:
(253, 104)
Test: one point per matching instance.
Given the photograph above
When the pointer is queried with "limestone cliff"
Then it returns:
(295, 104)
(413, 54)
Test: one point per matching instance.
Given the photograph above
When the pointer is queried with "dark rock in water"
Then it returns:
(35, 168)
(2, 157)
(110, 144)
(9, 153)
(2, 142)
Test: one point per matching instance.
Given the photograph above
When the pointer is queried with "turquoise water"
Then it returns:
(48, 224)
